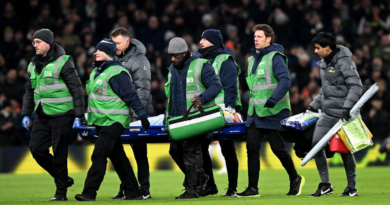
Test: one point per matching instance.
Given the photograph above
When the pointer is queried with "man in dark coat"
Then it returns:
(341, 89)
(221, 58)
(269, 81)
(187, 153)
(53, 91)
(131, 53)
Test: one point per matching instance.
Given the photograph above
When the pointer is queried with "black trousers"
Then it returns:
(52, 132)
(140, 151)
(188, 156)
(253, 144)
(109, 145)
(229, 152)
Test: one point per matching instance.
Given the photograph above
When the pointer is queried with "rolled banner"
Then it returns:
(354, 113)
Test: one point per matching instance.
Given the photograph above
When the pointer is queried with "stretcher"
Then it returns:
(158, 134)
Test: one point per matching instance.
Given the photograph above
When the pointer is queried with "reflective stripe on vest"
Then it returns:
(263, 101)
(55, 100)
(114, 112)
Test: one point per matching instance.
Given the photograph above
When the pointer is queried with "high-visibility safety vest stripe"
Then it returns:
(104, 98)
(262, 84)
(219, 60)
(252, 101)
(53, 87)
(56, 100)
(49, 88)
(114, 112)
(105, 107)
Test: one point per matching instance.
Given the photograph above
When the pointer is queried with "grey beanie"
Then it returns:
(177, 45)
(45, 35)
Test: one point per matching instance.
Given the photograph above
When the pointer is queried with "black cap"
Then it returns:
(45, 35)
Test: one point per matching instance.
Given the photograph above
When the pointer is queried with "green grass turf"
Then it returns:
(372, 184)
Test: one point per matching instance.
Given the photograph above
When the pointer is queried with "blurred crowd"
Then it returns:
(361, 25)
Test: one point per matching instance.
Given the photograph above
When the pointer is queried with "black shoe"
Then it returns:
(146, 194)
(140, 197)
(70, 182)
(187, 195)
(230, 192)
(323, 188)
(59, 198)
(119, 195)
(349, 192)
(249, 192)
(83, 197)
(296, 186)
(208, 190)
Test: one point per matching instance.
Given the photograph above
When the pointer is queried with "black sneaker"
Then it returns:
(59, 198)
(230, 192)
(70, 182)
(208, 190)
(349, 192)
(249, 192)
(140, 197)
(146, 194)
(323, 188)
(296, 186)
(187, 195)
(83, 197)
(119, 195)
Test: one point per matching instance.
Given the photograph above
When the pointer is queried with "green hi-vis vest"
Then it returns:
(49, 89)
(262, 84)
(105, 107)
(220, 99)
(194, 86)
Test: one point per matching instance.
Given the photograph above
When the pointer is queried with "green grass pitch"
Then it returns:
(372, 184)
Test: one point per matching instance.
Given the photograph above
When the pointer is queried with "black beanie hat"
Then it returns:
(45, 35)
(108, 46)
(214, 36)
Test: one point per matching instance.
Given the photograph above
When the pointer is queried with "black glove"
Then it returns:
(145, 123)
(269, 104)
(346, 115)
(310, 108)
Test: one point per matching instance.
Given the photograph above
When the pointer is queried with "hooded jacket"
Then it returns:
(139, 68)
(178, 86)
(227, 75)
(69, 76)
(281, 73)
(341, 84)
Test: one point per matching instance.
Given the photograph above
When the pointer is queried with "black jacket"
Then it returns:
(68, 75)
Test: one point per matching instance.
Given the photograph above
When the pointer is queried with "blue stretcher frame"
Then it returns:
(155, 134)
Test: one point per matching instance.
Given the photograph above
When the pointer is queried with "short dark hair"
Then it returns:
(325, 39)
(268, 31)
(120, 32)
